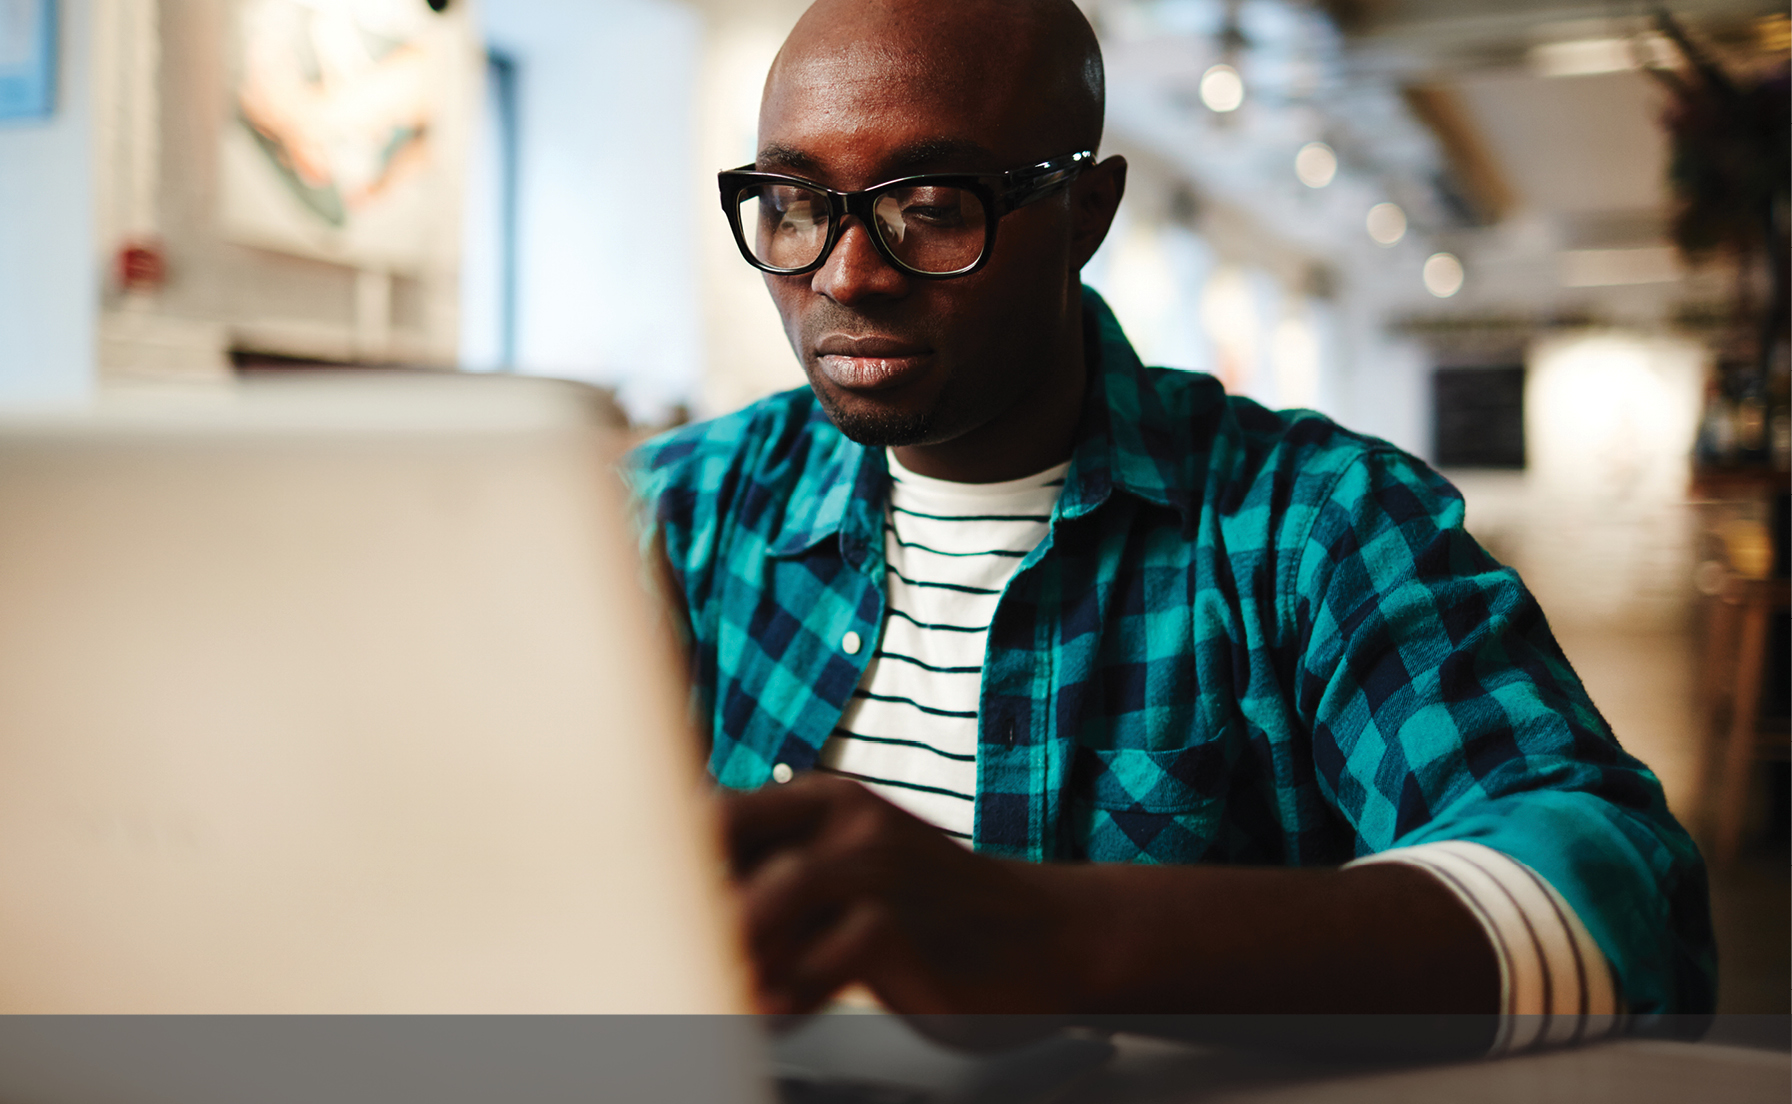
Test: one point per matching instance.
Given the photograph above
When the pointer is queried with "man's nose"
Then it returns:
(855, 270)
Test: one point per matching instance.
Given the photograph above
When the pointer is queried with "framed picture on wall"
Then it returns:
(336, 119)
(27, 59)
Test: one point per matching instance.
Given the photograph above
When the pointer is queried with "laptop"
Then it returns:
(341, 693)
(345, 693)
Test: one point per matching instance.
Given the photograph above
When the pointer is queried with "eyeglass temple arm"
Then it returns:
(1029, 187)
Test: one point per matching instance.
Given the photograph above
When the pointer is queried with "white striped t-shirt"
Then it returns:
(910, 734)
(910, 731)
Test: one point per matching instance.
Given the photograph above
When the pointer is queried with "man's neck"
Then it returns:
(1034, 434)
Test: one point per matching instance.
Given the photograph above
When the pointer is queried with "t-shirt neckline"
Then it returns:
(929, 485)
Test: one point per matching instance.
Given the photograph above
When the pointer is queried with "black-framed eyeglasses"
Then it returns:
(934, 226)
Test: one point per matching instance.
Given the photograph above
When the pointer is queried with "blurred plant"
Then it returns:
(1728, 170)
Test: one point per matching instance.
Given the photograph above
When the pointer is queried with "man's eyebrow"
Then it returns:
(774, 156)
(957, 153)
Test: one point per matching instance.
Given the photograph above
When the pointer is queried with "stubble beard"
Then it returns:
(886, 427)
(879, 428)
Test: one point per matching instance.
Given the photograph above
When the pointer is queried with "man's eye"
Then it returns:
(799, 216)
(785, 199)
(933, 215)
(937, 207)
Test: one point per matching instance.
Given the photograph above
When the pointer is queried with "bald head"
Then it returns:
(1027, 74)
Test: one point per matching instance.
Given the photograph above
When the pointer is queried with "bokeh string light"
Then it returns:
(1316, 164)
(1386, 223)
(1442, 275)
(1222, 89)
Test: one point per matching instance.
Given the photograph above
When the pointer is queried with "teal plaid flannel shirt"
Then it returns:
(1249, 637)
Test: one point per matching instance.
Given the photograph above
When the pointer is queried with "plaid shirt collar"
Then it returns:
(1124, 442)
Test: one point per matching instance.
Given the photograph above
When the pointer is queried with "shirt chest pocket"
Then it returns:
(1144, 805)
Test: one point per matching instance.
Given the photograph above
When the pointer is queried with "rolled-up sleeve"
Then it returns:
(1442, 710)
(1556, 985)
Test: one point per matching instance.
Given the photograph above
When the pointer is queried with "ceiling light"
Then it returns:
(1316, 164)
(1386, 223)
(1443, 275)
(1222, 89)
(1585, 57)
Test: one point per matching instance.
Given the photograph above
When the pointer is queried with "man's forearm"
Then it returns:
(1143, 940)
(838, 886)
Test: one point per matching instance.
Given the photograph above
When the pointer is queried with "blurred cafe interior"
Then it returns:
(1541, 244)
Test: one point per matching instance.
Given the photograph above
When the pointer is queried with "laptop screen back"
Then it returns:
(342, 695)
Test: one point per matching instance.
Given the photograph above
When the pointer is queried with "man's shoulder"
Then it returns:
(1251, 446)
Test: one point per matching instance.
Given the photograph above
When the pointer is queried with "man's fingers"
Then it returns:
(825, 868)
(791, 898)
(832, 961)
(780, 908)
(756, 824)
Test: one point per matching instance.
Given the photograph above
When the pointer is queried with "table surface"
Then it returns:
(714, 1059)
(1082, 1067)
(1630, 1071)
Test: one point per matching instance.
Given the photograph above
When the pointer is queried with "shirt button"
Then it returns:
(782, 773)
(851, 643)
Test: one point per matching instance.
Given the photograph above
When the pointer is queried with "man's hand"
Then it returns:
(838, 885)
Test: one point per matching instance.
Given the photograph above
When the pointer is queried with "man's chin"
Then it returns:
(878, 428)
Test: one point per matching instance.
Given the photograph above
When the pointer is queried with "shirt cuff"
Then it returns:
(1555, 984)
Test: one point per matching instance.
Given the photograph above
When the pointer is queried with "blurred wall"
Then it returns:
(746, 354)
(626, 273)
(605, 141)
(48, 281)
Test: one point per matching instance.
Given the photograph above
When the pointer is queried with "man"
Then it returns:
(990, 570)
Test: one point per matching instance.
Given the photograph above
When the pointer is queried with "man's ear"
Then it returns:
(1093, 200)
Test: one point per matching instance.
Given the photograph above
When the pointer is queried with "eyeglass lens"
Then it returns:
(929, 228)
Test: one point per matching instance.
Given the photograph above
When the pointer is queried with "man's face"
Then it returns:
(895, 359)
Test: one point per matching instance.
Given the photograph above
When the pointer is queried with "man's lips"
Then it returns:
(870, 363)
